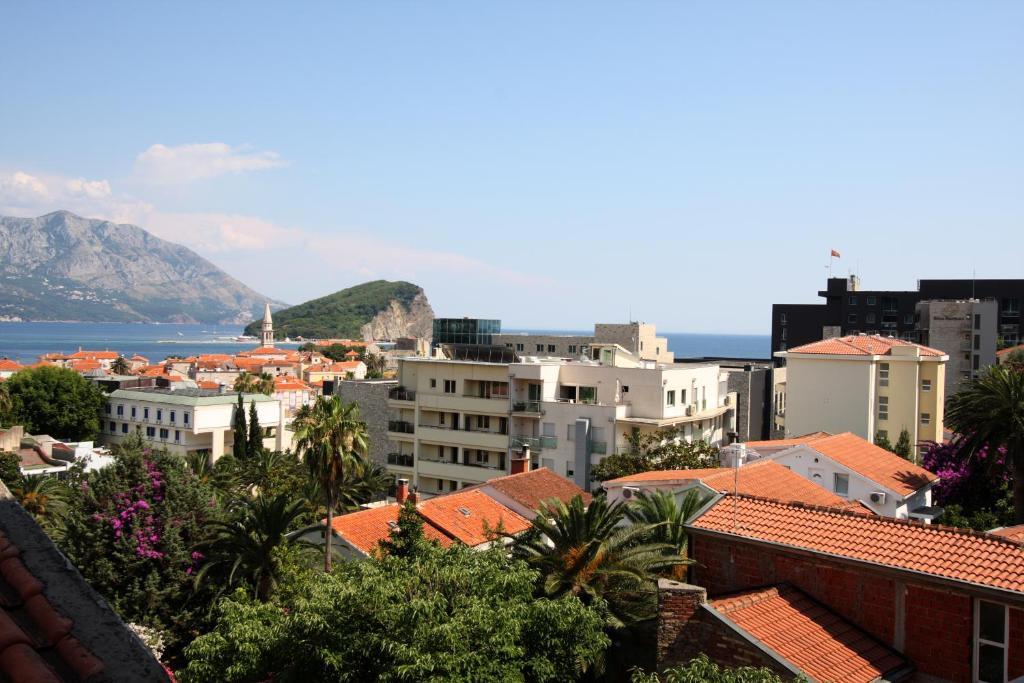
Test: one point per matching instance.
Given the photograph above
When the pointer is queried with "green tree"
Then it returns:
(329, 435)
(405, 539)
(703, 669)
(446, 614)
(10, 469)
(120, 366)
(5, 405)
(45, 498)
(1014, 360)
(363, 482)
(903, 447)
(248, 383)
(240, 445)
(584, 550)
(254, 444)
(376, 364)
(242, 550)
(667, 518)
(55, 401)
(989, 412)
(660, 450)
(882, 441)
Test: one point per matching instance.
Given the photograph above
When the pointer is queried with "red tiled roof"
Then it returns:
(861, 345)
(366, 528)
(873, 462)
(945, 552)
(206, 384)
(818, 641)
(93, 355)
(465, 514)
(787, 442)
(764, 478)
(532, 488)
(1014, 533)
(85, 365)
(8, 365)
(1008, 350)
(289, 383)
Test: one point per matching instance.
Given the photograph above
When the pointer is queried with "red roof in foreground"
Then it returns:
(764, 478)
(467, 515)
(877, 464)
(940, 551)
(532, 488)
(1014, 533)
(818, 641)
(861, 345)
(366, 528)
(8, 365)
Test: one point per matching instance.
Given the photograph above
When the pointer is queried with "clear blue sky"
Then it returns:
(551, 164)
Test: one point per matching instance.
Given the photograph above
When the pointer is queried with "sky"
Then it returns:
(550, 164)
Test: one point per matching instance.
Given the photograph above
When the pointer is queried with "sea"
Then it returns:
(26, 341)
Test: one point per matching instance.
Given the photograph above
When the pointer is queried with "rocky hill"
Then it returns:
(372, 310)
(64, 267)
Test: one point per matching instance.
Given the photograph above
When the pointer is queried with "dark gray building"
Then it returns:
(475, 331)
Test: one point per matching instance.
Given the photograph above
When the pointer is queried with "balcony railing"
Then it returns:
(496, 397)
(535, 442)
(526, 407)
(401, 426)
(402, 394)
(400, 459)
(486, 465)
(599, 447)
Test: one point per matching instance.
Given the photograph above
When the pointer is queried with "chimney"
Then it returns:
(402, 492)
(414, 497)
(521, 461)
(679, 613)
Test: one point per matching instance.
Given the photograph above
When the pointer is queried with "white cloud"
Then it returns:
(165, 165)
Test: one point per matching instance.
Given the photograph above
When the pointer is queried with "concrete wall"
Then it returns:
(830, 395)
(372, 399)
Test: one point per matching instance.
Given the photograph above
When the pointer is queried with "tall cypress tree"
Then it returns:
(255, 444)
(904, 448)
(239, 448)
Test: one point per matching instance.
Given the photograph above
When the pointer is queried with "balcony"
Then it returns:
(493, 441)
(527, 408)
(400, 459)
(401, 427)
(485, 465)
(536, 443)
(401, 394)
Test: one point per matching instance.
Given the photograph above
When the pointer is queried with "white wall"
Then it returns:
(830, 395)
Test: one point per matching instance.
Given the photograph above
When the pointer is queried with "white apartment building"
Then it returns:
(640, 339)
(456, 422)
(188, 420)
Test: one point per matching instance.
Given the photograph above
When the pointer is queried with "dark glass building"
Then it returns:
(851, 310)
(464, 331)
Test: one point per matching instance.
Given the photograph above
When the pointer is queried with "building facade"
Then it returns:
(966, 330)
(464, 331)
(640, 339)
(865, 385)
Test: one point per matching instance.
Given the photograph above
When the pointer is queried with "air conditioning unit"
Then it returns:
(630, 492)
(690, 410)
(878, 497)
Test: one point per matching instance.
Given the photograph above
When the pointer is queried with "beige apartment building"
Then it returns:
(865, 384)
(640, 339)
(456, 422)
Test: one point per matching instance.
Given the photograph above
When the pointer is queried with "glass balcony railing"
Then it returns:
(486, 465)
(402, 394)
(526, 407)
(400, 459)
(535, 442)
(401, 426)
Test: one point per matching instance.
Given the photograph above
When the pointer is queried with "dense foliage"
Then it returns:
(339, 315)
(704, 670)
(661, 450)
(974, 488)
(439, 614)
(55, 401)
(903, 447)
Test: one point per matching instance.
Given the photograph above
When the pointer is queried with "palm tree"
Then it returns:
(587, 552)
(45, 498)
(667, 519)
(990, 411)
(364, 481)
(120, 366)
(329, 435)
(241, 551)
(248, 383)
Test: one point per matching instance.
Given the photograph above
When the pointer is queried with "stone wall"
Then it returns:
(372, 397)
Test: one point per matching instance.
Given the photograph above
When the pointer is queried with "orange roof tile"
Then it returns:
(787, 442)
(816, 640)
(465, 514)
(764, 478)
(8, 365)
(206, 384)
(289, 383)
(532, 488)
(1014, 533)
(366, 528)
(93, 355)
(1008, 350)
(861, 345)
(940, 551)
(85, 365)
(873, 462)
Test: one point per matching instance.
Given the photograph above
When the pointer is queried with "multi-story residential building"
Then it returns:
(188, 420)
(640, 339)
(850, 310)
(750, 382)
(455, 422)
(866, 385)
(965, 330)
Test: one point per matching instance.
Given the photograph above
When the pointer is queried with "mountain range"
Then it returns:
(64, 267)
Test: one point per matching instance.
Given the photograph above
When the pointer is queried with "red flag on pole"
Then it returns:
(835, 254)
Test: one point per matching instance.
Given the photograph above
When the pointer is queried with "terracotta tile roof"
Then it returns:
(1014, 533)
(8, 365)
(289, 383)
(954, 554)
(213, 358)
(85, 365)
(270, 351)
(787, 442)
(342, 366)
(206, 384)
(1008, 350)
(816, 640)
(93, 355)
(137, 357)
(873, 462)
(763, 478)
(532, 488)
(463, 516)
(366, 528)
(861, 345)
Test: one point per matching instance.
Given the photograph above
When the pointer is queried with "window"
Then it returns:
(977, 342)
(570, 432)
(551, 348)
(782, 334)
(926, 385)
(481, 457)
(177, 435)
(184, 417)
(782, 319)
(433, 383)
(519, 347)
(150, 432)
(449, 386)
(133, 412)
(841, 484)
(568, 469)
(977, 321)
(106, 408)
(870, 318)
(159, 414)
(508, 345)
(883, 434)
(926, 418)
(572, 348)
(483, 421)
(163, 434)
(883, 374)
(625, 388)
(145, 413)
(113, 426)
(670, 398)
(124, 427)
(852, 318)
(173, 415)
(853, 300)
(120, 411)
(870, 301)
(976, 362)
(883, 407)
(990, 640)
(1011, 306)
(548, 429)
(540, 347)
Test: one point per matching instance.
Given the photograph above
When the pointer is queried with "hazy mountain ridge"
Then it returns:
(373, 310)
(64, 267)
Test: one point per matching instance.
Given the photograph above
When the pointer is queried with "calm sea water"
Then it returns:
(25, 342)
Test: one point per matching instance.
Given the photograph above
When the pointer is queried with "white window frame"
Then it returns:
(926, 385)
(926, 418)
(670, 397)
(835, 479)
(883, 374)
(883, 414)
(977, 641)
